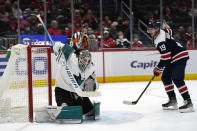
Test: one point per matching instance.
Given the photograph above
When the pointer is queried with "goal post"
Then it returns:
(30, 79)
(26, 83)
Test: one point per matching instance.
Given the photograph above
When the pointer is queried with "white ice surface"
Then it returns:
(147, 115)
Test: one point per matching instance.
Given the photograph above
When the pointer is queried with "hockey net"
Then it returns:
(26, 83)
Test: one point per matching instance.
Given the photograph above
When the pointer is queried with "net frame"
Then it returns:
(30, 85)
(30, 95)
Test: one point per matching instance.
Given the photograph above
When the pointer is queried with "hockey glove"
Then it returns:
(157, 71)
(90, 85)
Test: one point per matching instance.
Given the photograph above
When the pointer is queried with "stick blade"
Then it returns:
(129, 102)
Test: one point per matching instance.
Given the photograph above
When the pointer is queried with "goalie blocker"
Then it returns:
(66, 114)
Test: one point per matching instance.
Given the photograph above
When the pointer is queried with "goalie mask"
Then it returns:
(84, 59)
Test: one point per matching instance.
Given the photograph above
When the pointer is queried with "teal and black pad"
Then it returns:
(96, 110)
(95, 113)
(70, 114)
(67, 51)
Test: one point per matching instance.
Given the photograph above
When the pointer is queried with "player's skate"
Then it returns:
(187, 107)
(170, 105)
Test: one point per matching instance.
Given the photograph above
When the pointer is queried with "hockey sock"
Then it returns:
(170, 90)
(184, 92)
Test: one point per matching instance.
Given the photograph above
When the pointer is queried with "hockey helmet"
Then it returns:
(84, 59)
(154, 24)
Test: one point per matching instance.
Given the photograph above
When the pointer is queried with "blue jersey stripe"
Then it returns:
(3, 66)
(3, 60)
(1, 73)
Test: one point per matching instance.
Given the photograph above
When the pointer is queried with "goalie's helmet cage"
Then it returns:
(84, 60)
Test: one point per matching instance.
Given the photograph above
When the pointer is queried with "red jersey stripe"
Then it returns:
(169, 31)
(181, 55)
(166, 56)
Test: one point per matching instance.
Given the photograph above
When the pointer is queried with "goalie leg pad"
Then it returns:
(70, 114)
(94, 114)
(66, 114)
(47, 114)
(96, 110)
(42, 116)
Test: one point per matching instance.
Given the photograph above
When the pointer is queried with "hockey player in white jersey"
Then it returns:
(83, 71)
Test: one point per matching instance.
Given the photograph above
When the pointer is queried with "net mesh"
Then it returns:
(14, 97)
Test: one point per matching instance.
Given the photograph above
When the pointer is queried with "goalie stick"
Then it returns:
(135, 102)
(68, 71)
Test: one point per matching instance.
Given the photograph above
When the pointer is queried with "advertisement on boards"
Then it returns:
(40, 39)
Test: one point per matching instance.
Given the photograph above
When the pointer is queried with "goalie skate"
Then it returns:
(170, 105)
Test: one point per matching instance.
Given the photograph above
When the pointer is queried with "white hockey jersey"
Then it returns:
(67, 57)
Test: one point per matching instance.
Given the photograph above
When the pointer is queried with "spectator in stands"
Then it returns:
(168, 16)
(27, 30)
(120, 25)
(10, 16)
(15, 10)
(96, 33)
(180, 36)
(181, 5)
(3, 25)
(106, 21)
(92, 42)
(54, 28)
(107, 41)
(24, 18)
(40, 29)
(35, 4)
(77, 17)
(4, 14)
(189, 37)
(26, 13)
(8, 8)
(126, 29)
(90, 31)
(136, 42)
(113, 31)
(32, 20)
(155, 16)
(90, 19)
(12, 28)
(122, 42)
(68, 30)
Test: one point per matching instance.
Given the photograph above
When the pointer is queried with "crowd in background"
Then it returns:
(116, 28)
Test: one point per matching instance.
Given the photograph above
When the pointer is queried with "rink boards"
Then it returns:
(134, 65)
(125, 65)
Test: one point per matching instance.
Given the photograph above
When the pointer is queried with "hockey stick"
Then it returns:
(45, 28)
(135, 102)
(68, 71)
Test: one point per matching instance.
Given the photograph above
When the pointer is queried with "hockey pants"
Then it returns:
(174, 73)
(72, 99)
